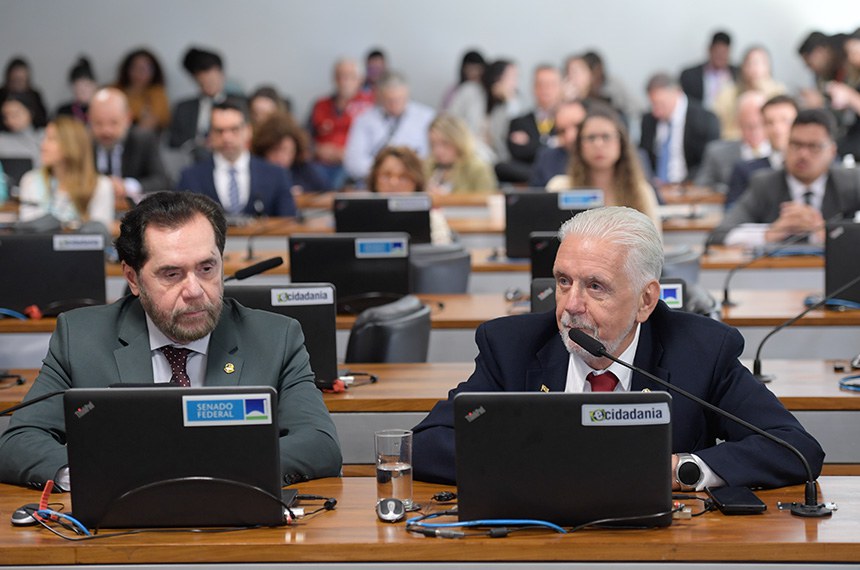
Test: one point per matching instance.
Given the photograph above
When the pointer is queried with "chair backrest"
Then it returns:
(396, 332)
(439, 269)
(682, 262)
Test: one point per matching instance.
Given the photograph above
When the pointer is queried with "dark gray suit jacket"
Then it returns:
(717, 165)
(141, 160)
(95, 347)
(768, 189)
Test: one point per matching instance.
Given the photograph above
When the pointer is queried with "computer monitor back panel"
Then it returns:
(841, 248)
(408, 213)
(528, 211)
(543, 246)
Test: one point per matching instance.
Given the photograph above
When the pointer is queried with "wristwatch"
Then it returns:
(688, 472)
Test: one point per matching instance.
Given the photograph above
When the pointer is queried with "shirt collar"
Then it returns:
(241, 163)
(158, 339)
(578, 369)
(797, 188)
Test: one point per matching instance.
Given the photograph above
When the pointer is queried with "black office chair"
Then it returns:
(396, 332)
(439, 268)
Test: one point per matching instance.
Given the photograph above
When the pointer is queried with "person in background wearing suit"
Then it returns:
(243, 184)
(799, 198)
(129, 156)
(722, 155)
(82, 80)
(778, 114)
(606, 272)
(174, 328)
(675, 131)
(552, 161)
(702, 83)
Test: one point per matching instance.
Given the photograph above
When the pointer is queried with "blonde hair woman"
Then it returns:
(453, 165)
(755, 75)
(67, 185)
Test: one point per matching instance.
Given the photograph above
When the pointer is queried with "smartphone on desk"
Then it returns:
(736, 500)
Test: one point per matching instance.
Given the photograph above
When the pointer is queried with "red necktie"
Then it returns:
(605, 382)
(177, 357)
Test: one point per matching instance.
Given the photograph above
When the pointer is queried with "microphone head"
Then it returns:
(586, 341)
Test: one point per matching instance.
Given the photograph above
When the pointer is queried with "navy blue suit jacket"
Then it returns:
(549, 162)
(525, 353)
(269, 183)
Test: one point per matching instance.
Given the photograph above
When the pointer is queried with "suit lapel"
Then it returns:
(134, 359)
(550, 375)
(831, 204)
(224, 363)
(649, 352)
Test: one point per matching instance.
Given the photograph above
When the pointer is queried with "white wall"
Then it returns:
(292, 43)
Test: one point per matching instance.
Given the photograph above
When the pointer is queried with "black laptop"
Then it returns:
(408, 213)
(841, 248)
(164, 456)
(532, 210)
(15, 168)
(55, 272)
(564, 458)
(313, 305)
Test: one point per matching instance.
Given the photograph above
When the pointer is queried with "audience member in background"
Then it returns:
(535, 130)
(332, 117)
(702, 83)
(824, 57)
(754, 75)
(126, 154)
(241, 183)
(67, 185)
(604, 158)
(609, 88)
(397, 169)
(722, 155)
(799, 198)
(778, 114)
(553, 160)
(190, 122)
(454, 166)
(20, 139)
(84, 86)
(264, 102)
(845, 98)
(394, 120)
(142, 81)
(578, 78)
(4, 187)
(675, 131)
(471, 69)
(375, 68)
(281, 141)
(17, 80)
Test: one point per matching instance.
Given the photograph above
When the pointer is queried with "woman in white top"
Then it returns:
(602, 157)
(67, 185)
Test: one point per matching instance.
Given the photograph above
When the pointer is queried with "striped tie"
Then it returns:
(235, 207)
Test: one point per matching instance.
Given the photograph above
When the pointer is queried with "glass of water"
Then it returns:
(394, 465)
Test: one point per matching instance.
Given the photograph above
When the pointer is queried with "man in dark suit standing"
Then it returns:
(675, 131)
(799, 198)
(703, 82)
(606, 271)
(129, 156)
(243, 184)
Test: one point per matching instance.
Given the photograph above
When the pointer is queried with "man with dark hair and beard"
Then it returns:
(606, 273)
(174, 328)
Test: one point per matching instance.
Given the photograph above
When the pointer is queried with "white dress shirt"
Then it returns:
(222, 178)
(677, 161)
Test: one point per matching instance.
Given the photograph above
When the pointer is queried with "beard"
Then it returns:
(612, 345)
(170, 322)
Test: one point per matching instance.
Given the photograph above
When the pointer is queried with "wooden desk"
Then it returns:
(351, 533)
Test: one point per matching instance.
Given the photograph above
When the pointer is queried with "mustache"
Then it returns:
(570, 322)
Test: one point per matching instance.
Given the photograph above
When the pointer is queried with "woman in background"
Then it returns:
(67, 185)
(20, 138)
(142, 81)
(397, 169)
(471, 70)
(453, 165)
(602, 157)
(265, 102)
(754, 75)
(84, 86)
(281, 141)
(17, 80)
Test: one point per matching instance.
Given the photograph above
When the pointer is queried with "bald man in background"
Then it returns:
(130, 157)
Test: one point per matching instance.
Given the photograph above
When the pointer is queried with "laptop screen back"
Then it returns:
(408, 213)
(840, 259)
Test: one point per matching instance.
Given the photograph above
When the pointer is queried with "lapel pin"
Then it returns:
(543, 388)
(646, 389)
(229, 368)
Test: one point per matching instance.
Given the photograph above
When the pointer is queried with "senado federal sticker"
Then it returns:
(224, 410)
(625, 414)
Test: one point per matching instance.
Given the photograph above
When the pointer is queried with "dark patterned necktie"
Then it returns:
(605, 382)
(177, 357)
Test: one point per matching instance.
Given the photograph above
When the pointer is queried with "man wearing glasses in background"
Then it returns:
(799, 198)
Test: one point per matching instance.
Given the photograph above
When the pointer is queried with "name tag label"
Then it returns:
(381, 247)
(580, 199)
(223, 410)
(302, 296)
(597, 415)
(73, 242)
(409, 204)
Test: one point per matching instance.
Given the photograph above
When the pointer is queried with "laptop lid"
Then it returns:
(56, 272)
(563, 457)
(840, 259)
(536, 209)
(408, 213)
(543, 247)
(313, 305)
(167, 456)
(15, 168)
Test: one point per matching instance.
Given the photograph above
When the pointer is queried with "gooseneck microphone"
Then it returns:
(259, 208)
(256, 269)
(28, 403)
(821, 302)
(810, 506)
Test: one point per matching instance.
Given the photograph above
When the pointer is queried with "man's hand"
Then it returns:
(520, 138)
(795, 218)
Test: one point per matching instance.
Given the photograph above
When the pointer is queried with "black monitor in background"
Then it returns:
(532, 210)
(15, 168)
(56, 272)
(368, 269)
(313, 305)
(408, 213)
(542, 249)
(841, 247)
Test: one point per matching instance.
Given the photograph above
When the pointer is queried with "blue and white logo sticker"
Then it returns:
(580, 199)
(672, 294)
(625, 414)
(381, 247)
(224, 410)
